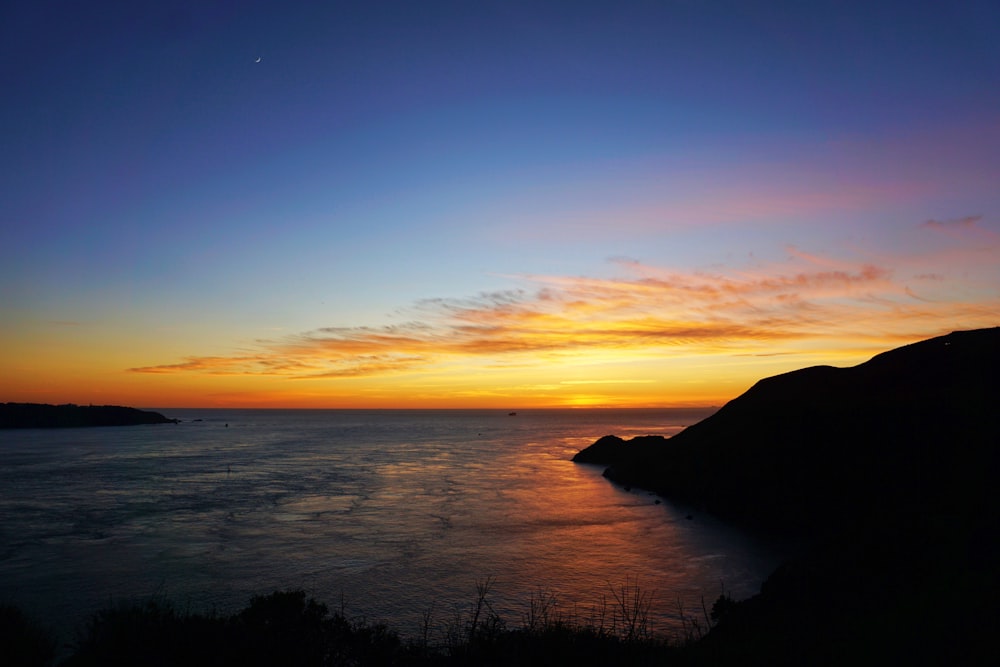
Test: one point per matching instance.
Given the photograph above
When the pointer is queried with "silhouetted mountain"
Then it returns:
(39, 415)
(818, 445)
(885, 472)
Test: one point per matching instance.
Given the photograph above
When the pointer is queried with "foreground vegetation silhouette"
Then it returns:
(290, 628)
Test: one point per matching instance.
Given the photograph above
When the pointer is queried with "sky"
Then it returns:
(486, 204)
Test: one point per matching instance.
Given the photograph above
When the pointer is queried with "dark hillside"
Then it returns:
(39, 415)
(886, 473)
(918, 424)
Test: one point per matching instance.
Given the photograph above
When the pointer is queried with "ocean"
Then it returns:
(390, 515)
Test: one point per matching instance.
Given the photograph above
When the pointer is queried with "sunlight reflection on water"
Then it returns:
(392, 512)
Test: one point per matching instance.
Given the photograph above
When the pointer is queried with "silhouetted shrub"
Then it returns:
(722, 607)
(151, 633)
(284, 628)
(289, 628)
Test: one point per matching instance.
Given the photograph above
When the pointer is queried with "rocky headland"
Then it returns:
(40, 415)
(884, 473)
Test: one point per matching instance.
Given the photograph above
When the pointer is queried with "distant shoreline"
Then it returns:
(43, 415)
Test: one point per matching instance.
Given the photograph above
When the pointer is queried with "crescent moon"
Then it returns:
(258, 59)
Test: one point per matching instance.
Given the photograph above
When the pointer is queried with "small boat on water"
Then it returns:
(511, 414)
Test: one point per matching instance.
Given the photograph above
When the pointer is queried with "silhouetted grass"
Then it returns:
(813, 626)
(290, 628)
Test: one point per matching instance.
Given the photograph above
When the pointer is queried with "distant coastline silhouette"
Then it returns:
(41, 415)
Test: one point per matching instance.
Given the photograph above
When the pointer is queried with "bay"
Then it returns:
(395, 515)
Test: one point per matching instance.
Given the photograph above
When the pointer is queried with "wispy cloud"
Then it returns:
(645, 311)
(265, 362)
(967, 222)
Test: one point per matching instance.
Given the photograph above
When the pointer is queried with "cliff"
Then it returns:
(38, 415)
(821, 445)
(884, 473)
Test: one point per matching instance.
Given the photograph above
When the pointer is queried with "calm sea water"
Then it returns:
(390, 513)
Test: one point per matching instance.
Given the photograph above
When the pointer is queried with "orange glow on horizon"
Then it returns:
(651, 337)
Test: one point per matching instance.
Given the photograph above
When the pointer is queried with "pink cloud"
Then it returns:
(788, 182)
(968, 222)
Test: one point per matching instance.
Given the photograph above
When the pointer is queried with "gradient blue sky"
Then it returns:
(475, 203)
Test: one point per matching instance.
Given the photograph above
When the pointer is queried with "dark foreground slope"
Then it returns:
(38, 415)
(886, 473)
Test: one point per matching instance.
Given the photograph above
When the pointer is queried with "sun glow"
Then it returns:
(648, 336)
